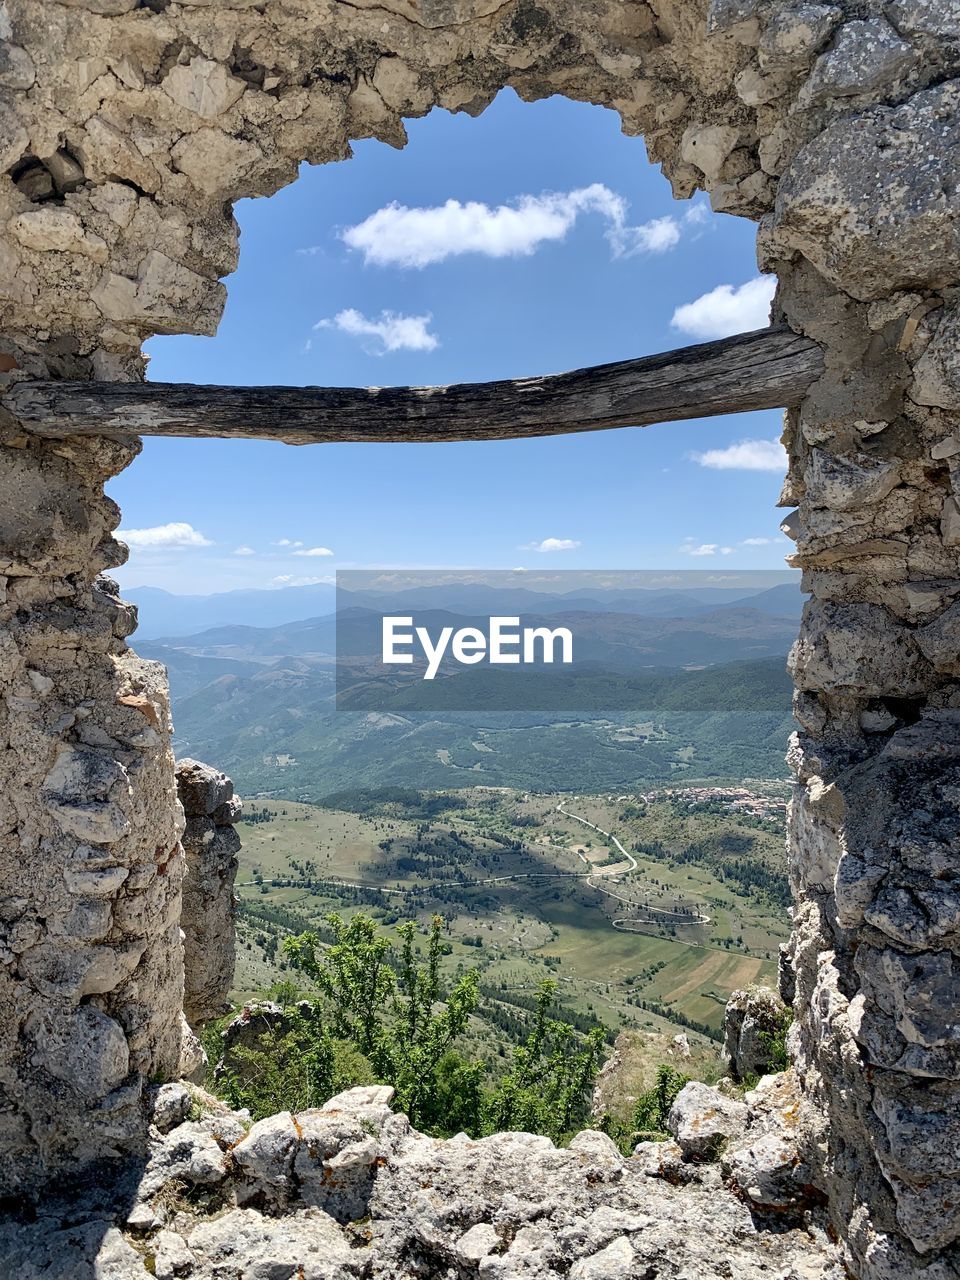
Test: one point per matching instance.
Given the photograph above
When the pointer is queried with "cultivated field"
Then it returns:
(528, 891)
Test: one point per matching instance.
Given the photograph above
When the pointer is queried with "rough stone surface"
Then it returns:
(751, 1017)
(126, 132)
(508, 1207)
(210, 846)
(702, 1120)
(90, 858)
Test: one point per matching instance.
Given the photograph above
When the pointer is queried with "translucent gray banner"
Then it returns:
(565, 642)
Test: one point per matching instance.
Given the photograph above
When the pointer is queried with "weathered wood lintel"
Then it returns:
(767, 369)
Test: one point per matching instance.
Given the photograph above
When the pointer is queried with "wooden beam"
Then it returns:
(767, 369)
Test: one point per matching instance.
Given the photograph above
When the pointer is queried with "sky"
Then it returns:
(533, 239)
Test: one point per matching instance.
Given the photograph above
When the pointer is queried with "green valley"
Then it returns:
(527, 892)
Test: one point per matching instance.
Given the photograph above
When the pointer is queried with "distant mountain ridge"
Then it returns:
(669, 683)
(164, 614)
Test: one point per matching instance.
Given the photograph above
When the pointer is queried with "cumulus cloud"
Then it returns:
(727, 309)
(390, 331)
(551, 544)
(398, 236)
(761, 542)
(288, 542)
(314, 551)
(176, 534)
(745, 455)
(244, 551)
(692, 548)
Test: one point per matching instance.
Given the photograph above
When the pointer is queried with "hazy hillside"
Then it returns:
(163, 613)
(700, 692)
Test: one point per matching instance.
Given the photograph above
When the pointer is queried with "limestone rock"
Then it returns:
(723, 14)
(508, 1206)
(265, 1160)
(708, 146)
(188, 1154)
(203, 87)
(897, 1015)
(935, 736)
(855, 647)
(769, 1172)
(85, 1049)
(950, 522)
(940, 641)
(210, 848)
(664, 1160)
(307, 1244)
(59, 231)
(201, 789)
(478, 1243)
(702, 1119)
(85, 791)
(865, 199)
(170, 1105)
(615, 1262)
(17, 69)
(214, 161)
(866, 56)
(926, 18)
(66, 173)
(13, 136)
(793, 35)
(937, 373)
(749, 1019)
(846, 484)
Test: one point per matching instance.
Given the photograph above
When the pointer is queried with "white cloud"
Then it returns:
(727, 309)
(698, 214)
(705, 549)
(314, 551)
(551, 544)
(176, 534)
(761, 542)
(397, 235)
(244, 551)
(292, 580)
(287, 542)
(745, 455)
(395, 332)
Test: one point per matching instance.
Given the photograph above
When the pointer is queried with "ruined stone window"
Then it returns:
(126, 132)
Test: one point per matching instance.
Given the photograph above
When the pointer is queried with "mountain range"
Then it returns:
(164, 614)
(669, 684)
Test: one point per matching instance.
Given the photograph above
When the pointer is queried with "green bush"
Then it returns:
(384, 1016)
(653, 1107)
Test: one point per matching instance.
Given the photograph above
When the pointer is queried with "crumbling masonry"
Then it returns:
(126, 131)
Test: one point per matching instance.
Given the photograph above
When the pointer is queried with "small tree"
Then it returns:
(387, 1005)
(545, 1089)
(653, 1107)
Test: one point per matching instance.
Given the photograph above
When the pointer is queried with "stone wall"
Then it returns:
(210, 846)
(91, 968)
(127, 129)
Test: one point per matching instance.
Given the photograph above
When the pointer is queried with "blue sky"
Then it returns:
(533, 239)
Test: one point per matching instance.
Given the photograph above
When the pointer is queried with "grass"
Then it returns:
(529, 928)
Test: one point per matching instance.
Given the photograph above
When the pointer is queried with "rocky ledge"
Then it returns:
(351, 1190)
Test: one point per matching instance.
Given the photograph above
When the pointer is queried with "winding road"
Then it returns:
(622, 923)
